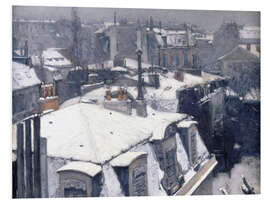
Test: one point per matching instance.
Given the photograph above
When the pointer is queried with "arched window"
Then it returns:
(80, 179)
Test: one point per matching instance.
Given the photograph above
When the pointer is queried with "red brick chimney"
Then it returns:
(48, 98)
(108, 93)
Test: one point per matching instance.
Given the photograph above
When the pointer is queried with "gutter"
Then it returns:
(190, 187)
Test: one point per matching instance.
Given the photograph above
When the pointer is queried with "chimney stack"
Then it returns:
(151, 24)
(164, 38)
(140, 84)
(26, 49)
(120, 96)
(108, 93)
(141, 109)
(114, 18)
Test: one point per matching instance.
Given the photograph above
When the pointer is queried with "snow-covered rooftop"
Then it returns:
(186, 124)
(168, 86)
(83, 167)
(118, 68)
(126, 159)
(23, 76)
(52, 57)
(88, 132)
(131, 63)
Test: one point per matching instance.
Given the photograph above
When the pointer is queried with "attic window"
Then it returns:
(131, 169)
(80, 179)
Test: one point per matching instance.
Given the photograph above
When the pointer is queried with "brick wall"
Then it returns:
(51, 103)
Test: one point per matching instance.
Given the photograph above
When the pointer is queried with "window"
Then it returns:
(132, 174)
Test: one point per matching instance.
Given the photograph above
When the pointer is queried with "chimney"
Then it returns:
(125, 96)
(160, 26)
(164, 38)
(141, 108)
(188, 34)
(26, 48)
(114, 18)
(120, 94)
(140, 84)
(151, 26)
(108, 93)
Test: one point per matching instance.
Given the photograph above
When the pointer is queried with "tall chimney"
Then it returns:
(114, 18)
(141, 108)
(188, 34)
(26, 48)
(151, 26)
(140, 92)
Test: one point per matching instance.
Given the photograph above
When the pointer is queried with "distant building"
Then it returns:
(250, 39)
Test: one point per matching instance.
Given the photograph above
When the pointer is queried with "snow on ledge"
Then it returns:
(126, 159)
(83, 167)
(186, 124)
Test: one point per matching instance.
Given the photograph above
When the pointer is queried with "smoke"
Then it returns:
(249, 167)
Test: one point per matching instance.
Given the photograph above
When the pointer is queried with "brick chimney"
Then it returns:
(48, 98)
(108, 93)
(125, 96)
(120, 94)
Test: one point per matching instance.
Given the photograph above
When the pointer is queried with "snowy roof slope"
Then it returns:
(131, 63)
(52, 57)
(84, 167)
(126, 159)
(23, 76)
(88, 132)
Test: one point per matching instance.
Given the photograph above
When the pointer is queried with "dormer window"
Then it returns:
(131, 169)
(80, 179)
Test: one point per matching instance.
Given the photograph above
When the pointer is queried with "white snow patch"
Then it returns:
(181, 154)
(84, 167)
(111, 186)
(23, 76)
(186, 124)
(125, 159)
(88, 132)
(52, 57)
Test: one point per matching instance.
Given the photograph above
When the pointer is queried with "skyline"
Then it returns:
(207, 19)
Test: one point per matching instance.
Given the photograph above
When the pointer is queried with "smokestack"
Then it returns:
(108, 93)
(120, 94)
(188, 33)
(141, 109)
(26, 48)
(114, 18)
(164, 38)
(140, 92)
(151, 23)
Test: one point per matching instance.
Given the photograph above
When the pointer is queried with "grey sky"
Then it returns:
(207, 19)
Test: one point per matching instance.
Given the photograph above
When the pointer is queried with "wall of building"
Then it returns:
(176, 57)
(25, 102)
(195, 102)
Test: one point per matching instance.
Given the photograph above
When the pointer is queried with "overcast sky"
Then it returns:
(210, 20)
